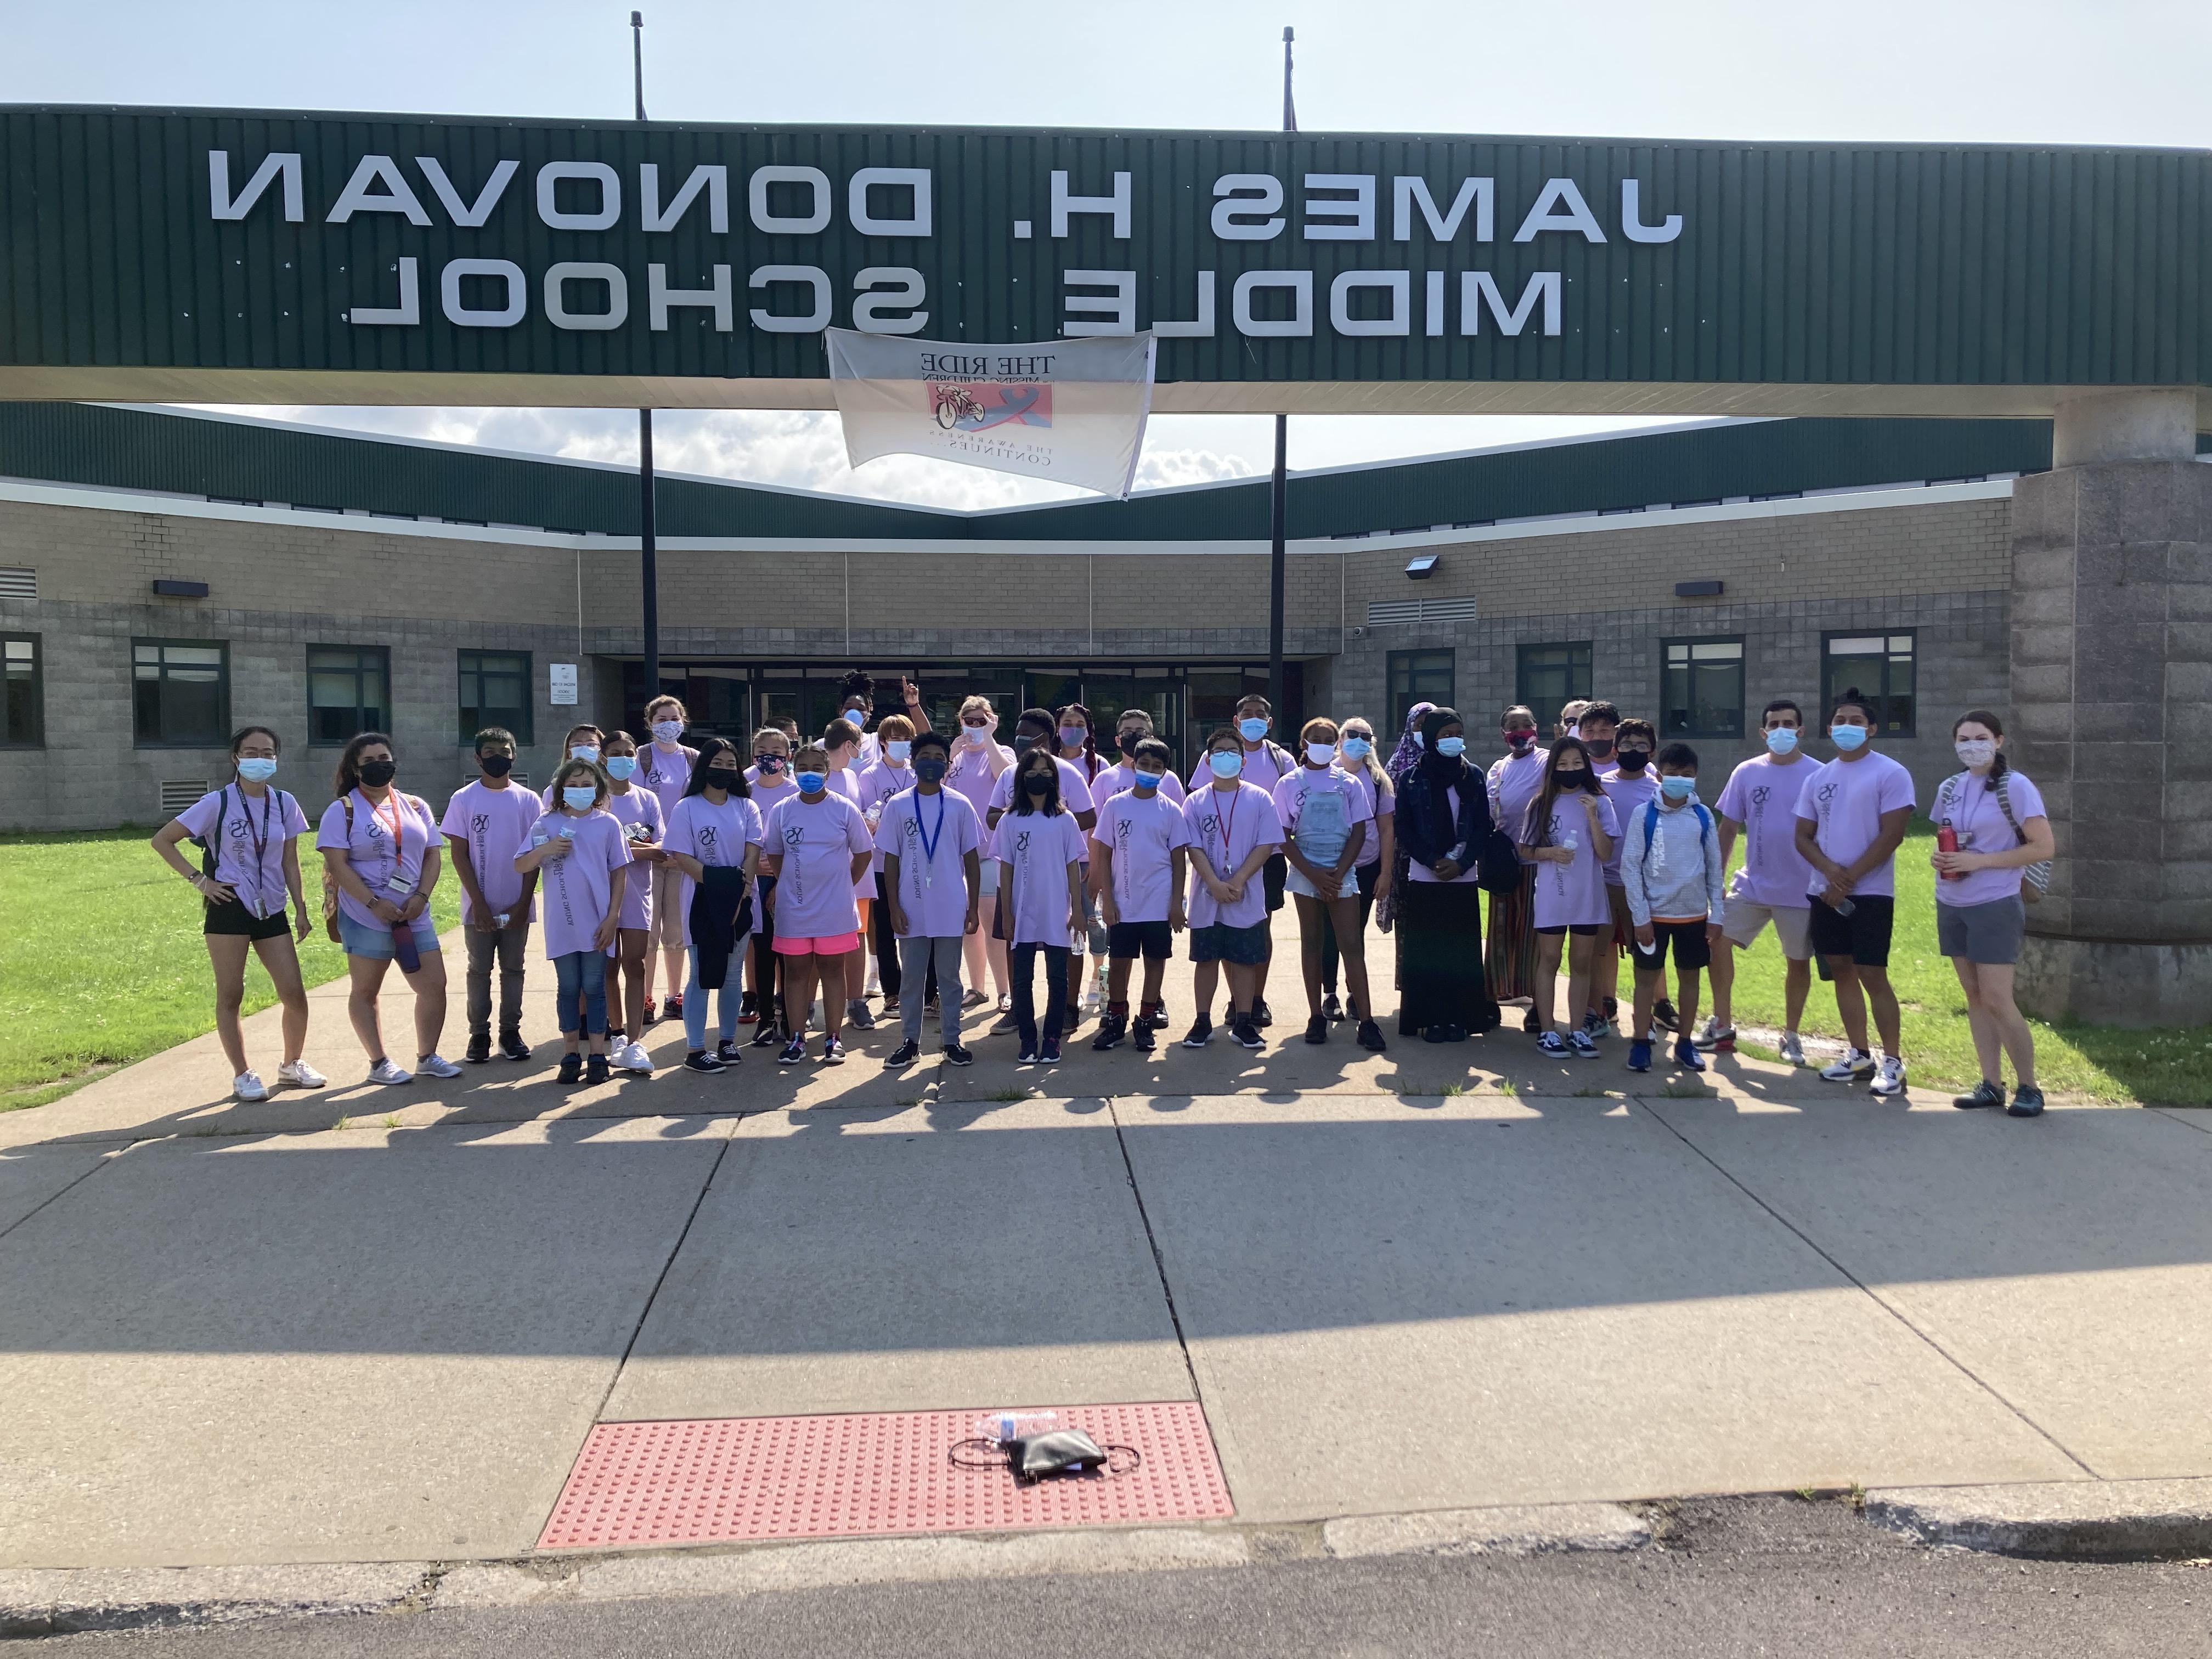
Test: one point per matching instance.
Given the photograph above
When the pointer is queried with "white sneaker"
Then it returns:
(437, 1066)
(298, 1074)
(1889, 1079)
(1855, 1064)
(385, 1071)
(1793, 1049)
(1709, 1033)
(632, 1057)
(246, 1086)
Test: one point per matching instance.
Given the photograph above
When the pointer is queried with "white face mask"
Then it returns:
(1975, 752)
(1321, 754)
(667, 731)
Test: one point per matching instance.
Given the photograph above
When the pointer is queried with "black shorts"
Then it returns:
(1863, 935)
(1152, 940)
(235, 920)
(1579, 929)
(1273, 875)
(1693, 947)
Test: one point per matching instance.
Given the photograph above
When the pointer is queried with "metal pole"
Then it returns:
(1280, 484)
(648, 568)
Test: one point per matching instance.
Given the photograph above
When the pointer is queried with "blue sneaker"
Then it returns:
(1686, 1055)
(1640, 1055)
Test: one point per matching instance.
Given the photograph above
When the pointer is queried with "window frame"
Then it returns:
(1399, 704)
(1883, 663)
(524, 727)
(383, 653)
(216, 739)
(1665, 696)
(38, 644)
(1545, 721)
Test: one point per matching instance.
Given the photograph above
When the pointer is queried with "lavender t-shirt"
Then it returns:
(969, 775)
(1113, 780)
(880, 781)
(1037, 851)
(492, 825)
(1143, 832)
(579, 888)
(249, 853)
(845, 784)
(370, 849)
(1294, 788)
(1382, 803)
(1573, 895)
(1975, 813)
(1629, 795)
(1266, 766)
(1515, 780)
(816, 840)
(666, 774)
(769, 790)
(1224, 827)
(1846, 799)
(637, 805)
(1074, 788)
(712, 835)
(1762, 797)
(931, 836)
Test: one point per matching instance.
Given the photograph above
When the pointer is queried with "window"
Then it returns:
(348, 692)
(180, 693)
(1550, 677)
(1701, 689)
(1880, 666)
(23, 713)
(496, 691)
(1418, 677)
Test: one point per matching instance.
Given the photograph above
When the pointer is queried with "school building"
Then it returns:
(166, 575)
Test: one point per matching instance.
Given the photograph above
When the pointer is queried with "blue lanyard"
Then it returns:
(929, 842)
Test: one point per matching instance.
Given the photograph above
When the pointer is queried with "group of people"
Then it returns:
(920, 864)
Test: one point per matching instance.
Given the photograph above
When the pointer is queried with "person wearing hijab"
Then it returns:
(1444, 827)
(1409, 743)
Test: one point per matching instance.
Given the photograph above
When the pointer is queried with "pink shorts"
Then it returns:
(829, 944)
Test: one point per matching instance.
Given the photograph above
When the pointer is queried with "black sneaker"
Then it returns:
(572, 1068)
(512, 1045)
(1530, 1024)
(1027, 1057)
(1157, 1019)
(748, 1007)
(703, 1062)
(595, 1069)
(794, 1051)
(1986, 1094)
(1370, 1037)
(767, 1036)
(1331, 1009)
(479, 1049)
(728, 1052)
(652, 1015)
(1317, 1029)
(1111, 1029)
(833, 1052)
(957, 1055)
(2026, 1102)
(1663, 1013)
(1141, 1038)
(905, 1054)
(860, 1016)
(672, 1007)
(1201, 1030)
(1248, 1034)
(1262, 1015)
(1049, 1055)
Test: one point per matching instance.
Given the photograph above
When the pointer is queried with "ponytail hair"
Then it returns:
(1982, 717)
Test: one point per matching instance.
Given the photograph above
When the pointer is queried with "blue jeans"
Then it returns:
(695, 1004)
(581, 974)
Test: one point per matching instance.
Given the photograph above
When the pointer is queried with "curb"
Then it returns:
(2067, 1520)
(58, 1601)
(1534, 1529)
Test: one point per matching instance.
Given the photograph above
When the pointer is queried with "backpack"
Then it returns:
(2034, 878)
(211, 845)
(330, 886)
(1651, 824)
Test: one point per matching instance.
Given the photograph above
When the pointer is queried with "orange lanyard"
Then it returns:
(398, 842)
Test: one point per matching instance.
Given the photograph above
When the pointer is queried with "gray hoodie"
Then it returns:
(1672, 874)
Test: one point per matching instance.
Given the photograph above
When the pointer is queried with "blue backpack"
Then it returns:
(1651, 825)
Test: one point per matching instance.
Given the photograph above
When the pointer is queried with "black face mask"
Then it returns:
(377, 774)
(1634, 760)
(1036, 784)
(930, 770)
(496, 766)
(1023, 742)
(1127, 742)
(1572, 780)
(722, 777)
(1601, 749)
(768, 763)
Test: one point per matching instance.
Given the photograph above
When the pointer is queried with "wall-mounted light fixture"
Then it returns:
(1423, 566)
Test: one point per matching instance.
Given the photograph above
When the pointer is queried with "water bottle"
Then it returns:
(1946, 841)
(1016, 1425)
(1569, 842)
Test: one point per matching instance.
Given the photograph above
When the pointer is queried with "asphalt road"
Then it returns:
(1737, 1577)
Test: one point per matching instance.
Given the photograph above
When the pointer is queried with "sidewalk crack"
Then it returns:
(646, 1312)
(1159, 1261)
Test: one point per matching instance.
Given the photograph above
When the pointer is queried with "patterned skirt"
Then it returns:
(1512, 946)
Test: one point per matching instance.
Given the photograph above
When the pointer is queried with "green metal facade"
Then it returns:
(1796, 263)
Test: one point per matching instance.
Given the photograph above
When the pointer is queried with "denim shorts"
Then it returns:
(376, 942)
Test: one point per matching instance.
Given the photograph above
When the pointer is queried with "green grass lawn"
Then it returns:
(102, 962)
(2163, 1068)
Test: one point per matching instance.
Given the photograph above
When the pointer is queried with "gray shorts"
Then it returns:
(1742, 922)
(1988, 935)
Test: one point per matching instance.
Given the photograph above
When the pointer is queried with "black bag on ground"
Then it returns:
(1064, 1451)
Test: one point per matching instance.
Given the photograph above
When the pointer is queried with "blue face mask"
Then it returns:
(1847, 738)
(1149, 780)
(899, 748)
(1783, 740)
(1453, 746)
(810, 782)
(1678, 789)
(1358, 749)
(257, 769)
(1252, 730)
(589, 752)
(579, 797)
(620, 767)
(1226, 764)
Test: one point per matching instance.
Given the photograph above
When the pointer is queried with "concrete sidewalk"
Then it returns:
(234, 1334)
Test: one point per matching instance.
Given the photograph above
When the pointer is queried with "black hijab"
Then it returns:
(1440, 773)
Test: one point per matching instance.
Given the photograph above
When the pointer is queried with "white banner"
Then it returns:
(1070, 411)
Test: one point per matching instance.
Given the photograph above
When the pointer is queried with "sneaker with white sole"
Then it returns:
(246, 1086)
(436, 1066)
(1889, 1077)
(632, 1057)
(1856, 1065)
(298, 1074)
(1791, 1049)
(1711, 1036)
(1550, 1042)
(1579, 1044)
(385, 1071)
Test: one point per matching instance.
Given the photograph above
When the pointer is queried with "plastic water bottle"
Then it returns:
(1016, 1425)
(1570, 840)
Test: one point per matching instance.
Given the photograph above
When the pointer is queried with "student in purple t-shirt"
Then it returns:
(930, 840)
(486, 824)
(1568, 834)
(1039, 847)
(1139, 852)
(249, 829)
(1267, 763)
(978, 758)
(817, 848)
(665, 769)
(584, 860)
(645, 827)
(1981, 915)
(1234, 832)
(1631, 783)
(1760, 800)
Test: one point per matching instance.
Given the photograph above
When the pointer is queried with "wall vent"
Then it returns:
(1383, 613)
(16, 584)
(177, 794)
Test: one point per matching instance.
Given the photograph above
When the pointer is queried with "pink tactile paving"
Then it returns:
(874, 1472)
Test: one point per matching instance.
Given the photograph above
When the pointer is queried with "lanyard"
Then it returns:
(929, 839)
(260, 837)
(396, 823)
(1227, 819)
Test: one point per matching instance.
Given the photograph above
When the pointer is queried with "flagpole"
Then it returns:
(648, 565)
(1280, 490)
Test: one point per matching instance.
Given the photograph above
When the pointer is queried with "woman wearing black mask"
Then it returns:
(716, 827)
(1569, 835)
(1630, 783)
(1443, 828)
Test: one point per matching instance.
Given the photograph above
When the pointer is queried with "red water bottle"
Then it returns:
(1946, 841)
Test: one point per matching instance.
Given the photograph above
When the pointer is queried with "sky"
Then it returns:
(2098, 72)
